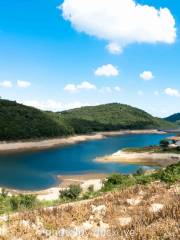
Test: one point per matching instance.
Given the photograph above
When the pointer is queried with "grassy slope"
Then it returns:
(19, 122)
(112, 117)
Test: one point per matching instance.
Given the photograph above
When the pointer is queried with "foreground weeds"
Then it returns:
(139, 206)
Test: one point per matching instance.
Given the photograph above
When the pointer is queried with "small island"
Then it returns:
(164, 154)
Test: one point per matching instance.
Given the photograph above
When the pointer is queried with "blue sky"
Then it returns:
(55, 63)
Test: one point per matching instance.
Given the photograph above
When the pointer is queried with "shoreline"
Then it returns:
(22, 146)
(150, 159)
(52, 193)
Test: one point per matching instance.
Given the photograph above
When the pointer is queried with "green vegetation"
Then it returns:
(169, 175)
(111, 117)
(23, 202)
(152, 149)
(19, 122)
(17, 203)
(175, 118)
(164, 144)
(72, 193)
(164, 147)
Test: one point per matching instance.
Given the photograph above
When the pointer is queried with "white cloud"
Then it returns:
(140, 93)
(86, 86)
(146, 75)
(23, 84)
(114, 48)
(120, 21)
(118, 89)
(6, 84)
(172, 92)
(107, 71)
(53, 105)
(72, 88)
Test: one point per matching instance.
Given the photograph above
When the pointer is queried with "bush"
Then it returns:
(27, 201)
(171, 174)
(140, 171)
(23, 202)
(164, 144)
(14, 203)
(144, 179)
(72, 193)
(118, 180)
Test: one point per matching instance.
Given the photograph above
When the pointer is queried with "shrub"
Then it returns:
(144, 179)
(164, 144)
(140, 171)
(118, 180)
(171, 174)
(14, 203)
(71, 193)
(27, 201)
(22, 202)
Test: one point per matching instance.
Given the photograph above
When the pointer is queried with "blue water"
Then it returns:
(38, 170)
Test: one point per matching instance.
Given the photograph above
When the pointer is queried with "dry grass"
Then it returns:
(144, 224)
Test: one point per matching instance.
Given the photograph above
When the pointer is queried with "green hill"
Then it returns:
(111, 117)
(21, 122)
(18, 122)
(175, 118)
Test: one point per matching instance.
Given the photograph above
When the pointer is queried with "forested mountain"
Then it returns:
(21, 122)
(175, 118)
(18, 122)
(113, 116)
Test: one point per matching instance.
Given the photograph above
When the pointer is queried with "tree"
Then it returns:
(164, 144)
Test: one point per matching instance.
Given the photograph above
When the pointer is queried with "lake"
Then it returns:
(38, 170)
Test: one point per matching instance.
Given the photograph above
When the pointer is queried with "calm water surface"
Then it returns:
(38, 170)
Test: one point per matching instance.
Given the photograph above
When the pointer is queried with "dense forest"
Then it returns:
(111, 117)
(21, 122)
(18, 122)
(175, 118)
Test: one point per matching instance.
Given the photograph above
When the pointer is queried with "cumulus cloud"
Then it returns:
(114, 48)
(146, 75)
(121, 22)
(23, 84)
(172, 92)
(73, 88)
(117, 88)
(53, 105)
(6, 84)
(107, 70)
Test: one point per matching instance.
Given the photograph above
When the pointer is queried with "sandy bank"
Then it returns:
(50, 194)
(156, 159)
(51, 143)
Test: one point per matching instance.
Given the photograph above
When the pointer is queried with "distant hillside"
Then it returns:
(175, 118)
(21, 122)
(18, 122)
(111, 117)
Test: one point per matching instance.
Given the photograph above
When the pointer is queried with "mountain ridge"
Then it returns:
(20, 122)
